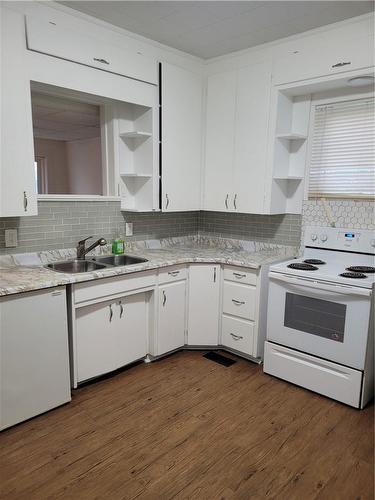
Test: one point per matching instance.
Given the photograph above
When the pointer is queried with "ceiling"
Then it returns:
(64, 120)
(212, 28)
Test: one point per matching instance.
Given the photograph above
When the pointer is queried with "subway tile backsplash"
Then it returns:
(61, 224)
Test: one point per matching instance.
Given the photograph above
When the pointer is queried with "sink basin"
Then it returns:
(119, 260)
(75, 266)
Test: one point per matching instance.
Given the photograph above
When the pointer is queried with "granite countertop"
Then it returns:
(26, 272)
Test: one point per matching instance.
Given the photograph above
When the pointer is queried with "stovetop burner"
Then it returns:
(303, 266)
(316, 262)
(353, 275)
(361, 269)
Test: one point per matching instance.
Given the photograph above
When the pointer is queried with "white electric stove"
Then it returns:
(319, 328)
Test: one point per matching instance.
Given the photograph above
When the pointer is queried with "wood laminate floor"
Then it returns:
(188, 428)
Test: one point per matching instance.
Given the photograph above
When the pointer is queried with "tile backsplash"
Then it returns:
(354, 214)
(61, 224)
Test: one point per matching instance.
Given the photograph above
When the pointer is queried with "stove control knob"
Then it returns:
(314, 237)
(323, 237)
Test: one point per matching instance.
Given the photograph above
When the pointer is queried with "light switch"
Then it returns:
(11, 238)
(128, 229)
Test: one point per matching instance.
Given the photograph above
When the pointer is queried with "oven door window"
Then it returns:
(319, 317)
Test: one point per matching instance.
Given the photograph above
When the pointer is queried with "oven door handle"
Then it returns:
(318, 285)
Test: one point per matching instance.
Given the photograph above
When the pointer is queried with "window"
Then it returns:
(342, 152)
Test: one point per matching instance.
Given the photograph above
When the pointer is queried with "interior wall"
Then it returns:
(84, 166)
(56, 156)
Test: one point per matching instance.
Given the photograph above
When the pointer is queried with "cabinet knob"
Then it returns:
(340, 64)
(164, 298)
(166, 201)
(25, 201)
(235, 201)
(226, 201)
(99, 59)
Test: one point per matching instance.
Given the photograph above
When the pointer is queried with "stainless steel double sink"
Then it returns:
(94, 263)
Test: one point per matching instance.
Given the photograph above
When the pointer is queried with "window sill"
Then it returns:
(76, 197)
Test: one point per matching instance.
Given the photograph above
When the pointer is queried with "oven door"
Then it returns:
(326, 320)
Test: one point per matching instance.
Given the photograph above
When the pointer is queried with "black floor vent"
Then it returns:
(219, 358)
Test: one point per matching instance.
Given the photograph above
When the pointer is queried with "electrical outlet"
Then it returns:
(128, 229)
(11, 238)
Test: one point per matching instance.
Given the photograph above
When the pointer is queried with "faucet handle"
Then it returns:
(85, 239)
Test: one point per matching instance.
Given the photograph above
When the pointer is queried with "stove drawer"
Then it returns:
(324, 377)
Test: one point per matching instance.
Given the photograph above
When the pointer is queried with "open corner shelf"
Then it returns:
(135, 135)
(292, 137)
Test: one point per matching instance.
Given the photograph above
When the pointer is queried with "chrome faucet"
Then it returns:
(81, 247)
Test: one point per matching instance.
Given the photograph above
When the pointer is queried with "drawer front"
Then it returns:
(237, 334)
(240, 275)
(110, 286)
(175, 273)
(239, 300)
(335, 381)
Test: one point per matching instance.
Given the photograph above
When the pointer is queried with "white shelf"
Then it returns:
(135, 135)
(292, 137)
(134, 176)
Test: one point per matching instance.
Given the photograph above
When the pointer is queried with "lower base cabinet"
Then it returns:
(171, 317)
(204, 296)
(110, 334)
(34, 354)
(237, 334)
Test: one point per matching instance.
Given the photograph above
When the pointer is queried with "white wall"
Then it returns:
(56, 156)
(84, 166)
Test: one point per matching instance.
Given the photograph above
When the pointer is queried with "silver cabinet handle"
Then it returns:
(236, 337)
(226, 201)
(173, 273)
(110, 312)
(103, 61)
(214, 274)
(164, 298)
(121, 309)
(25, 201)
(166, 202)
(238, 302)
(239, 275)
(340, 64)
(235, 201)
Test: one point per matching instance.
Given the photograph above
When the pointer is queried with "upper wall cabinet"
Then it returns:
(315, 57)
(236, 139)
(181, 138)
(18, 183)
(58, 40)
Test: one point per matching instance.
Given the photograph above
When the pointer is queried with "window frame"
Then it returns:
(314, 104)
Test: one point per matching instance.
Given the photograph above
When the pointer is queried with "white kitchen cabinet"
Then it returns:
(251, 134)
(59, 39)
(236, 139)
(17, 172)
(171, 317)
(34, 357)
(181, 137)
(314, 57)
(220, 133)
(109, 335)
(203, 312)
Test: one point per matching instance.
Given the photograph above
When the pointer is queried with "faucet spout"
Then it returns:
(81, 247)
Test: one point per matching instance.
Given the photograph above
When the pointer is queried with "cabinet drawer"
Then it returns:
(60, 40)
(239, 300)
(111, 286)
(335, 381)
(244, 276)
(237, 334)
(171, 274)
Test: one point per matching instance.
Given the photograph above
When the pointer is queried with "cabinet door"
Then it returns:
(131, 328)
(17, 172)
(171, 323)
(181, 139)
(96, 340)
(204, 292)
(220, 122)
(34, 354)
(251, 129)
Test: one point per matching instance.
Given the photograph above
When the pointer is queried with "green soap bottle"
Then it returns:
(118, 246)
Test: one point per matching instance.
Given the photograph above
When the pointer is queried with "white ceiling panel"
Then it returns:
(213, 28)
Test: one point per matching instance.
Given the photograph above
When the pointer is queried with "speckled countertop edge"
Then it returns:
(26, 272)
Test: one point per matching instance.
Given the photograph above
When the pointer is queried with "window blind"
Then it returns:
(342, 160)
